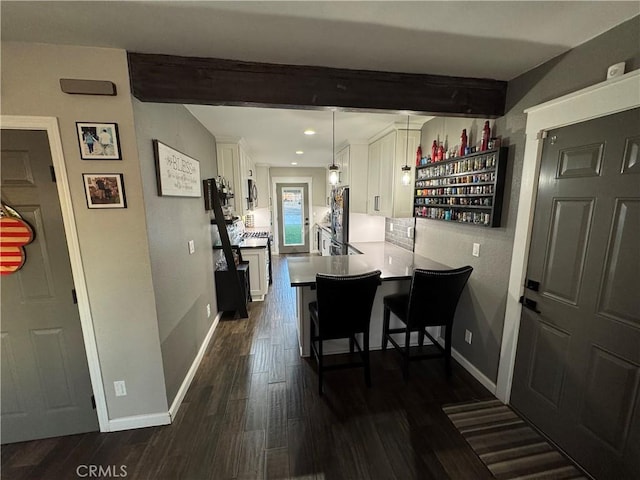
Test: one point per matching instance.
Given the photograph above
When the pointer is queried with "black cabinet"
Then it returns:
(465, 190)
(226, 287)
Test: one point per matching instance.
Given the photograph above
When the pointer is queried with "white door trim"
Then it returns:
(276, 224)
(50, 125)
(606, 98)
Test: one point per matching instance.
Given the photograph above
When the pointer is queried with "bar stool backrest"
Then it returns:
(345, 303)
(434, 296)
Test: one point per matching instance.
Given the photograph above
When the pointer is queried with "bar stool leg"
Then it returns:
(385, 327)
(320, 367)
(366, 359)
(407, 346)
(421, 337)
(447, 350)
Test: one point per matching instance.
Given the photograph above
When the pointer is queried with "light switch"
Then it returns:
(120, 388)
(192, 247)
(476, 250)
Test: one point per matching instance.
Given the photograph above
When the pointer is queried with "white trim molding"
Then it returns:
(606, 98)
(186, 383)
(50, 125)
(139, 421)
(471, 368)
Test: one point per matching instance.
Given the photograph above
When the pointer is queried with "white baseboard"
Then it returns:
(139, 421)
(469, 367)
(186, 383)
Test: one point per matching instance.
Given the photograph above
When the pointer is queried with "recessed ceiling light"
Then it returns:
(299, 152)
(308, 131)
(294, 163)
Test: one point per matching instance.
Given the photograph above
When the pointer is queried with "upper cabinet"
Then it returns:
(235, 164)
(353, 163)
(387, 155)
(262, 181)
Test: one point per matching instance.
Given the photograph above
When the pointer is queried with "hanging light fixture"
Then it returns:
(334, 170)
(406, 170)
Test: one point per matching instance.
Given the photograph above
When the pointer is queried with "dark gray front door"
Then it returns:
(293, 213)
(577, 371)
(46, 389)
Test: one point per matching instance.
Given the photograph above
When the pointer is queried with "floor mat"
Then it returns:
(507, 445)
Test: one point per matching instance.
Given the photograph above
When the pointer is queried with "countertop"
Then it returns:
(247, 243)
(394, 262)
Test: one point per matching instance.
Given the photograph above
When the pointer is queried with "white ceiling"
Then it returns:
(274, 135)
(498, 40)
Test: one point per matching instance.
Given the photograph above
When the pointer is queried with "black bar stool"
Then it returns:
(342, 310)
(431, 302)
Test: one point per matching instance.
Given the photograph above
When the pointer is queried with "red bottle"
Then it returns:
(463, 142)
(418, 156)
(440, 153)
(434, 151)
(486, 134)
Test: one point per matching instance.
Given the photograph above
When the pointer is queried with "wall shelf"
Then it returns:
(466, 190)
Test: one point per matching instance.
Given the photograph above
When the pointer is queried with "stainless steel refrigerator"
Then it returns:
(339, 220)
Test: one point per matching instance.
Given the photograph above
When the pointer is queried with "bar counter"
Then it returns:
(396, 265)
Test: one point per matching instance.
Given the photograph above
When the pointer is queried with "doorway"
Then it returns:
(576, 375)
(292, 203)
(46, 384)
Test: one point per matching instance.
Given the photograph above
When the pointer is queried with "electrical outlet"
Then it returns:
(208, 310)
(391, 227)
(192, 247)
(467, 336)
(390, 260)
(120, 388)
(476, 250)
(409, 232)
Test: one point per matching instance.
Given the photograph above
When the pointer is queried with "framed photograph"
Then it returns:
(178, 174)
(104, 190)
(98, 141)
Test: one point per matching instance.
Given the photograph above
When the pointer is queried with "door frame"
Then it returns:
(274, 205)
(51, 127)
(605, 98)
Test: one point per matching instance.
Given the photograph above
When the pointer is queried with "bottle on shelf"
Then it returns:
(463, 142)
(434, 151)
(486, 135)
(418, 156)
(440, 153)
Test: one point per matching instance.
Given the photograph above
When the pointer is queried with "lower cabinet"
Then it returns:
(325, 243)
(226, 286)
(258, 259)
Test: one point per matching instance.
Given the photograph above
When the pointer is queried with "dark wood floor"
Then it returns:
(253, 412)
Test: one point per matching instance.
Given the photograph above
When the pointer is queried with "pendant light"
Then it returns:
(406, 170)
(334, 170)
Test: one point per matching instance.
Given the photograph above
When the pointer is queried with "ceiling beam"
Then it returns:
(213, 81)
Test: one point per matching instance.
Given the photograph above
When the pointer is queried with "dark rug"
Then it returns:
(507, 445)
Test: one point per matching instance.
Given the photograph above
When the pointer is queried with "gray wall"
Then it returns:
(482, 306)
(318, 182)
(113, 243)
(183, 283)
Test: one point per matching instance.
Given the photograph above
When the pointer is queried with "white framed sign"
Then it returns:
(178, 174)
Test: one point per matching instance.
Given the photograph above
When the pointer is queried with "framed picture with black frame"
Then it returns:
(98, 141)
(104, 190)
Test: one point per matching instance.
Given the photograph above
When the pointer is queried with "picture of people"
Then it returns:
(105, 190)
(98, 141)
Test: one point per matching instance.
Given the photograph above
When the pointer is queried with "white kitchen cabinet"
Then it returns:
(343, 161)
(325, 243)
(262, 181)
(235, 164)
(258, 259)
(353, 163)
(386, 196)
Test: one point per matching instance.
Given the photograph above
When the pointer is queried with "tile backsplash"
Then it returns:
(395, 231)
